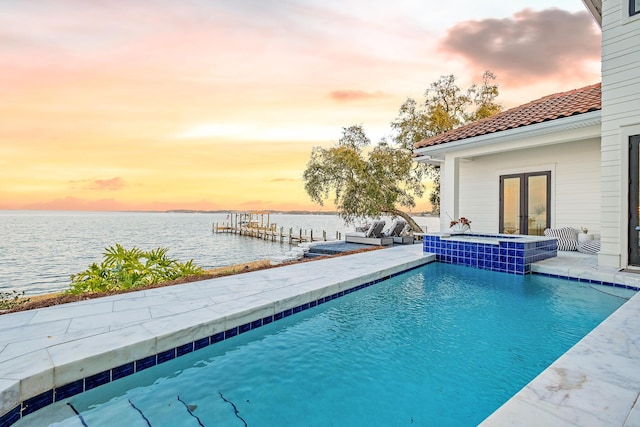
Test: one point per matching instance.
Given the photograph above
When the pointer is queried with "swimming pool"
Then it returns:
(439, 345)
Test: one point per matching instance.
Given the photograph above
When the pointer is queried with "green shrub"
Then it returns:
(124, 269)
(12, 299)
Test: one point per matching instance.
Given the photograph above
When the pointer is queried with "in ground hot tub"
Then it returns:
(499, 252)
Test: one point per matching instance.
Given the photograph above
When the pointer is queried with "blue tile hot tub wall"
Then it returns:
(507, 256)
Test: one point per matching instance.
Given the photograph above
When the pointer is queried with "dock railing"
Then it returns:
(253, 224)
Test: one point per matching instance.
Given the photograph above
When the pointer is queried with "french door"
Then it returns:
(525, 199)
(634, 201)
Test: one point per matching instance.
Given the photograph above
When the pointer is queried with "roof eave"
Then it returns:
(435, 153)
(595, 7)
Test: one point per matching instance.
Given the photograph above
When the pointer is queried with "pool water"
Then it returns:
(438, 345)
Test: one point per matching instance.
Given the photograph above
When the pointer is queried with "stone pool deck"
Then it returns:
(596, 383)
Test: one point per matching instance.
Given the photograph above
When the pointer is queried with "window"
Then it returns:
(634, 7)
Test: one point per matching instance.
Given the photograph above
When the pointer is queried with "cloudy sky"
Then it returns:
(200, 104)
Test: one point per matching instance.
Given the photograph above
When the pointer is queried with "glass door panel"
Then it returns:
(511, 205)
(537, 204)
(634, 201)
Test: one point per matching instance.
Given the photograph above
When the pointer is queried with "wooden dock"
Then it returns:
(257, 224)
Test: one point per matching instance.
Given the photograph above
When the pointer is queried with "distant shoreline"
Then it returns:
(425, 214)
(218, 211)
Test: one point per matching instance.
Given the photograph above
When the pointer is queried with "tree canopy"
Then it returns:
(384, 180)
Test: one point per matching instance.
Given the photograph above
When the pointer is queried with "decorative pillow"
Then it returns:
(589, 247)
(567, 237)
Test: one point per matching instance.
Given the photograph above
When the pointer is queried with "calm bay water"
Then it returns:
(39, 250)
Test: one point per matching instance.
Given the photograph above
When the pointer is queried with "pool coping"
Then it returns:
(50, 354)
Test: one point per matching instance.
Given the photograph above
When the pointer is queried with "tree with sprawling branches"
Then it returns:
(384, 180)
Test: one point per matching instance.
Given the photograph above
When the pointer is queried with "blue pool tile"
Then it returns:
(201, 343)
(69, 390)
(184, 349)
(297, 309)
(37, 402)
(145, 363)
(287, 312)
(256, 323)
(217, 337)
(96, 380)
(244, 328)
(165, 356)
(10, 417)
(267, 320)
(278, 316)
(313, 303)
(230, 333)
(122, 371)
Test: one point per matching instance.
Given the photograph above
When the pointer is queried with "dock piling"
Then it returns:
(253, 224)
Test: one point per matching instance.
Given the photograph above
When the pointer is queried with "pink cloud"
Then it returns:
(78, 204)
(353, 95)
(113, 184)
(529, 46)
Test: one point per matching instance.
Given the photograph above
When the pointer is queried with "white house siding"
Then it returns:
(620, 119)
(575, 183)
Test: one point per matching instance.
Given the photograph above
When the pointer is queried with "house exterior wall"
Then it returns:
(575, 184)
(620, 119)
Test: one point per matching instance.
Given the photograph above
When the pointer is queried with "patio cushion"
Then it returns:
(589, 247)
(567, 237)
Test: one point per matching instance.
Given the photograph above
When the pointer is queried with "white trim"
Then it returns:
(626, 17)
(626, 132)
(433, 153)
(544, 167)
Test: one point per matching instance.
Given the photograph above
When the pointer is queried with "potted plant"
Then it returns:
(461, 225)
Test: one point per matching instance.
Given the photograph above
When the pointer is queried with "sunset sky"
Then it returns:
(202, 104)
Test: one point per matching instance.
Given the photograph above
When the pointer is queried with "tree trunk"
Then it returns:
(414, 225)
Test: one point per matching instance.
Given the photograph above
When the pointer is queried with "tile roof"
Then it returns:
(551, 107)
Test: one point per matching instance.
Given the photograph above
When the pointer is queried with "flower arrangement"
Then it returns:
(461, 225)
(462, 220)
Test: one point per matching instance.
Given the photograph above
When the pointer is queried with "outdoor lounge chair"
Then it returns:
(395, 232)
(396, 228)
(373, 236)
